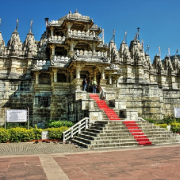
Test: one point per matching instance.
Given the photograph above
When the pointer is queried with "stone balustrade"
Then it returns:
(41, 64)
(57, 38)
(89, 53)
(83, 34)
(60, 61)
(78, 16)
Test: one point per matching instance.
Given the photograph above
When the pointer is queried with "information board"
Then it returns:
(177, 112)
(44, 135)
(16, 115)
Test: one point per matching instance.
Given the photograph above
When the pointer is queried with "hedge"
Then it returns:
(19, 134)
(58, 124)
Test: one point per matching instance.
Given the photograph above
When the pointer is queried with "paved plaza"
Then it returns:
(150, 162)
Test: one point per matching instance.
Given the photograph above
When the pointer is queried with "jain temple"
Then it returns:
(46, 76)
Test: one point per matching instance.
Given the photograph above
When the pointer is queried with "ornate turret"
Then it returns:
(124, 52)
(167, 63)
(176, 63)
(29, 45)
(136, 50)
(14, 45)
(113, 52)
(157, 63)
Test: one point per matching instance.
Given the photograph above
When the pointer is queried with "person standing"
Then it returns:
(94, 85)
(85, 84)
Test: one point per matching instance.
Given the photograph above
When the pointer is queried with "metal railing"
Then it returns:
(76, 129)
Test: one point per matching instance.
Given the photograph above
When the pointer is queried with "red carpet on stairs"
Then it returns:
(140, 137)
(111, 114)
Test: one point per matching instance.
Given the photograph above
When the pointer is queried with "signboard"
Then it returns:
(177, 112)
(16, 115)
(44, 135)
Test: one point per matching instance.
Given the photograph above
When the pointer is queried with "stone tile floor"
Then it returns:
(143, 163)
(21, 168)
(140, 164)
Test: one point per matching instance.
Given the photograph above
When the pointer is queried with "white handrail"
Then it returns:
(141, 119)
(82, 124)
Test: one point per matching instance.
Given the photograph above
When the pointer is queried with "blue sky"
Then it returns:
(158, 19)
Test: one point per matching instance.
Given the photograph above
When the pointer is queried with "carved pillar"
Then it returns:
(55, 74)
(37, 77)
(71, 47)
(78, 68)
(69, 26)
(71, 76)
(52, 51)
(93, 48)
(52, 31)
(110, 79)
(102, 73)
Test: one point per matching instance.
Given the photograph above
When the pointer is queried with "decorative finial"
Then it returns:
(70, 12)
(125, 37)
(113, 37)
(138, 33)
(17, 23)
(31, 23)
(159, 51)
(169, 52)
(176, 52)
(76, 11)
(147, 50)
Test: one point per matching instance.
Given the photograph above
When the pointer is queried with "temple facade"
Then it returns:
(46, 76)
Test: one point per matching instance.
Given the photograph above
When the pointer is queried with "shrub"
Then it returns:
(58, 124)
(4, 135)
(56, 133)
(162, 125)
(175, 127)
(37, 132)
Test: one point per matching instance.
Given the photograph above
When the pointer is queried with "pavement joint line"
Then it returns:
(52, 170)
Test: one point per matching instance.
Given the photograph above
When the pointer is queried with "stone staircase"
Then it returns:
(114, 134)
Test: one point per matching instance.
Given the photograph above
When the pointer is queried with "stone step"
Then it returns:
(114, 145)
(106, 141)
(104, 136)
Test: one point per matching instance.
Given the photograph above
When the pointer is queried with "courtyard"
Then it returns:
(28, 161)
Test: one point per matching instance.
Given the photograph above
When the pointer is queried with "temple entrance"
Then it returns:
(89, 74)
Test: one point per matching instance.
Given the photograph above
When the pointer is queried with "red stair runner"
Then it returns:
(140, 137)
(102, 105)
